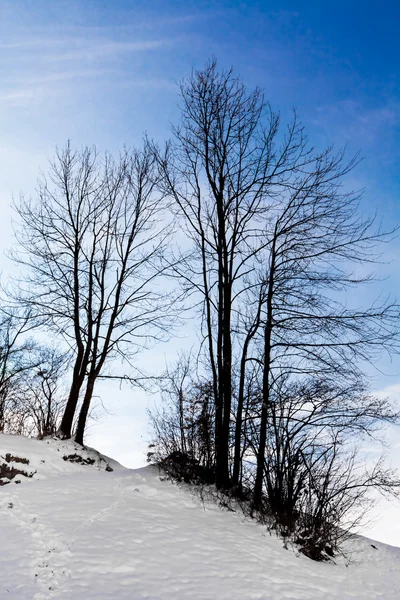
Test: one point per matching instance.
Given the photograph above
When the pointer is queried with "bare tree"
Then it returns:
(30, 402)
(223, 169)
(92, 244)
(276, 242)
(318, 246)
(43, 394)
(18, 357)
(183, 425)
(308, 420)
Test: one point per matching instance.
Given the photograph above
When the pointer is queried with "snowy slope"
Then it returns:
(79, 532)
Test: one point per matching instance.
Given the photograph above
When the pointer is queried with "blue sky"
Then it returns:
(103, 72)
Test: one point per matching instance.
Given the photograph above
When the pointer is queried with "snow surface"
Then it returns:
(78, 531)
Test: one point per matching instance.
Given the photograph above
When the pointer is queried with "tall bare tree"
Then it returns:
(220, 169)
(92, 243)
(272, 234)
(319, 245)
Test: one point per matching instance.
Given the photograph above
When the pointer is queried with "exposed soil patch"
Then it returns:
(9, 471)
(77, 458)
(18, 459)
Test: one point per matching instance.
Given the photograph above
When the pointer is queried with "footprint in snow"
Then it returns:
(145, 490)
(50, 556)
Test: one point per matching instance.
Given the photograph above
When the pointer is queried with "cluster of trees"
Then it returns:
(277, 245)
(91, 248)
(31, 389)
(272, 402)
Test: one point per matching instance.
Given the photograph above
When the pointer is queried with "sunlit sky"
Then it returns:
(103, 72)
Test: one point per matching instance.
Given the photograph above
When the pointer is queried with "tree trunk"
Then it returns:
(238, 452)
(65, 429)
(258, 485)
(227, 389)
(80, 429)
(263, 430)
(182, 422)
(239, 421)
(224, 362)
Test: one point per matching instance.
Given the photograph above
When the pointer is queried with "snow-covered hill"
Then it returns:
(94, 530)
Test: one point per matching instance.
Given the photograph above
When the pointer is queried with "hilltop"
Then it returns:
(79, 525)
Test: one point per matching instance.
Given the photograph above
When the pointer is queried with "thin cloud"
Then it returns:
(29, 43)
(96, 50)
(70, 49)
(56, 76)
(139, 24)
(359, 123)
(23, 91)
(36, 90)
(31, 67)
(18, 97)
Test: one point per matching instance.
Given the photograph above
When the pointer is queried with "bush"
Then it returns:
(182, 467)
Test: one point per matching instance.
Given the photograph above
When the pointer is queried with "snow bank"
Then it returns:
(40, 459)
(78, 531)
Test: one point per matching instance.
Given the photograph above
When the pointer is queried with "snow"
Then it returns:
(79, 531)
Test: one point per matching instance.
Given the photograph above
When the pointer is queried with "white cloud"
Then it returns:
(94, 50)
(71, 48)
(31, 66)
